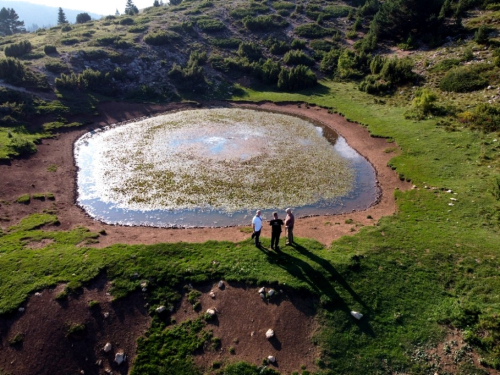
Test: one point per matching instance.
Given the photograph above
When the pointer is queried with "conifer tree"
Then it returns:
(156, 3)
(61, 17)
(130, 8)
(9, 22)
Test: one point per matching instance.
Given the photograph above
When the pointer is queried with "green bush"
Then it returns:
(296, 78)
(210, 25)
(297, 57)
(55, 67)
(283, 5)
(183, 27)
(279, 47)
(349, 64)
(242, 12)
(464, 79)
(192, 74)
(225, 42)
(445, 65)
(127, 21)
(250, 50)
(107, 40)
(373, 85)
(264, 23)
(14, 72)
(21, 146)
(91, 80)
(482, 35)
(66, 28)
(243, 368)
(397, 71)
(138, 29)
(484, 117)
(18, 49)
(423, 104)
(298, 44)
(69, 41)
(330, 61)
(337, 11)
(320, 45)
(48, 49)
(160, 38)
(312, 30)
(268, 72)
(377, 64)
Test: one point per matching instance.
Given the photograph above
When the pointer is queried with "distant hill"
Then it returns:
(35, 15)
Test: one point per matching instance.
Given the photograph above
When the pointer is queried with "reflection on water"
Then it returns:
(364, 193)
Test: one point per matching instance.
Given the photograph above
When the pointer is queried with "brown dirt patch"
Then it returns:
(48, 349)
(35, 245)
(30, 175)
(243, 319)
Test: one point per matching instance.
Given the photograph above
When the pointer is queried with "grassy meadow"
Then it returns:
(430, 267)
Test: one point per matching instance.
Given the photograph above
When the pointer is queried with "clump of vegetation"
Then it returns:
(296, 78)
(250, 50)
(265, 22)
(312, 30)
(297, 57)
(210, 25)
(89, 79)
(225, 42)
(18, 49)
(17, 340)
(24, 199)
(464, 79)
(484, 117)
(56, 67)
(160, 38)
(49, 49)
(75, 329)
(423, 105)
(14, 72)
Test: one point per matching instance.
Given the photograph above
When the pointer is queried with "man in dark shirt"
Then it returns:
(276, 225)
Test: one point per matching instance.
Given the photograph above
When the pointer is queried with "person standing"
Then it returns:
(257, 227)
(289, 223)
(276, 225)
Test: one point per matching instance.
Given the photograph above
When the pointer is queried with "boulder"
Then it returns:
(221, 284)
(161, 309)
(271, 359)
(119, 358)
(212, 294)
(262, 290)
(211, 312)
(271, 292)
(107, 348)
(262, 295)
(269, 333)
(356, 314)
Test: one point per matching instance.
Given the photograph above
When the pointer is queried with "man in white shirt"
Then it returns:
(256, 226)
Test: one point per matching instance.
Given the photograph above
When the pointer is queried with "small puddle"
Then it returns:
(214, 168)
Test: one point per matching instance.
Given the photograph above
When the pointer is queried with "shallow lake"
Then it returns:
(215, 167)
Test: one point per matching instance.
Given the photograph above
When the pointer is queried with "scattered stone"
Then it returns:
(453, 199)
(269, 333)
(262, 290)
(271, 359)
(212, 294)
(144, 284)
(262, 295)
(252, 333)
(107, 348)
(161, 309)
(450, 204)
(99, 362)
(108, 371)
(119, 358)
(221, 284)
(356, 314)
(38, 294)
(449, 191)
(271, 292)
(106, 315)
(21, 309)
(144, 289)
(211, 312)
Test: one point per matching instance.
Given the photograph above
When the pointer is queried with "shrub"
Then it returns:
(377, 64)
(349, 65)
(127, 21)
(55, 67)
(210, 25)
(137, 29)
(66, 28)
(312, 30)
(109, 18)
(192, 74)
(445, 65)
(279, 47)
(484, 117)
(24, 199)
(296, 78)
(107, 40)
(336, 11)
(18, 49)
(374, 86)
(242, 12)
(83, 17)
(264, 23)
(48, 49)
(69, 41)
(482, 35)
(330, 61)
(397, 71)
(268, 72)
(89, 79)
(225, 42)
(250, 50)
(14, 72)
(320, 45)
(283, 5)
(297, 57)
(463, 79)
(160, 38)
(298, 44)
(424, 103)
(183, 27)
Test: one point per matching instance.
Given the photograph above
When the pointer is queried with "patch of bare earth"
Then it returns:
(34, 245)
(241, 323)
(46, 346)
(450, 355)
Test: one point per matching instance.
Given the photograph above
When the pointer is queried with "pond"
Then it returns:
(215, 167)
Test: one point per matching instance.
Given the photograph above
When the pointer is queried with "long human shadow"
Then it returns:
(317, 281)
(327, 266)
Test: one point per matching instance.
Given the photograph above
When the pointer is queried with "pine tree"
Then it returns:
(130, 8)
(117, 13)
(156, 3)
(9, 22)
(61, 17)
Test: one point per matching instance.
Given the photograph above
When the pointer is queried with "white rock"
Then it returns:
(271, 359)
(161, 309)
(107, 348)
(211, 312)
(38, 294)
(269, 333)
(221, 284)
(262, 290)
(119, 357)
(271, 292)
(106, 315)
(144, 284)
(262, 295)
(449, 191)
(356, 314)
(144, 289)
(450, 204)
(21, 309)
(453, 199)
(212, 294)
